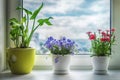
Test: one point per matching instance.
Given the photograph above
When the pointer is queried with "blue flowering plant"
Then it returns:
(62, 46)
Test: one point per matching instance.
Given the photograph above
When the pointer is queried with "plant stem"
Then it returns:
(17, 40)
(30, 36)
(32, 31)
(27, 21)
(36, 27)
(33, 24)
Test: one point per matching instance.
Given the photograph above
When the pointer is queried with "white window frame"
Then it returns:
(45, 61)
(2, 35)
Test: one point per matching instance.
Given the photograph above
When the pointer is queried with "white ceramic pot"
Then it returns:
(100, 64)
(61, 63)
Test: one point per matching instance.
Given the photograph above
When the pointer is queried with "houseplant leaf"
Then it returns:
(14, 22)
(46, 20)
(35, 13)
(27, 11)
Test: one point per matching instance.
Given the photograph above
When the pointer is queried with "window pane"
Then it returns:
(72, 18)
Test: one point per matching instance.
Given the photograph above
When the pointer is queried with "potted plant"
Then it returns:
(101, 49)
(21, 56)
(61, 50)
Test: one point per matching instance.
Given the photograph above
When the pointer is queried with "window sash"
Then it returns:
(44, 61)
(110, 26)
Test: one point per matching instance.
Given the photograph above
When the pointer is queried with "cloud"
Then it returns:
(58, 33)
(54, 6)
(100, 6)
(63, 6)
(73, 26)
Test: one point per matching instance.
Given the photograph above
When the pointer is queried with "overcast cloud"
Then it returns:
(72, 18)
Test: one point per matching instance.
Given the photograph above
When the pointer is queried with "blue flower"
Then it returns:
(50, 38)
(64, 38)
(68, 40)
(56, 59)
(62, 46)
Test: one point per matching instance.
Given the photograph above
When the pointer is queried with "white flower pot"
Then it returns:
(61, 63)
(100, 64)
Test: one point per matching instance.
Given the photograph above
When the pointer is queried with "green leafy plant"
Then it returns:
(101, 43)
(20, 32)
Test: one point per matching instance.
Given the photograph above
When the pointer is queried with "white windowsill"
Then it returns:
(78, 62)
(73, 75)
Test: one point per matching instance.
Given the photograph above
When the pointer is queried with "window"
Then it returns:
(78, 61)
(72, 18)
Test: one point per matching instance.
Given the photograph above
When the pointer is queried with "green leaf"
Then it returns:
(14, 23)
(21, 27)
(13, 19)
(41, 21)
(35, 13)
(23, 19)
(26, 11)
(46, 20)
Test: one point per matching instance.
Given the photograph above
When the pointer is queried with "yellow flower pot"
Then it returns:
(21, 60)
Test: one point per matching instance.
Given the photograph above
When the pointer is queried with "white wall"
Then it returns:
(2, 34)
(115, 58)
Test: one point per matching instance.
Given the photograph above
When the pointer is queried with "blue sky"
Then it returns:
(72, 18)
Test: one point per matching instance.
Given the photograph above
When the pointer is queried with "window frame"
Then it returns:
(84, 60)
(3, 35)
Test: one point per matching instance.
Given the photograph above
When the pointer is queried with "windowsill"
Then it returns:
(76, 60)
(73, 75)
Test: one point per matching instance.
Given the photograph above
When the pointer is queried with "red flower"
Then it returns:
(108, 35)
(102, 39)
(104, 34)
(92, 37)
(108, 39)
(105, 39)
(88, 33)
(113, 29)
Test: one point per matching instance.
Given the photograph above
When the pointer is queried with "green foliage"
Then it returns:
(35, 13)
(20, 33)
(100, 48)
(101, 43)
(42, 21)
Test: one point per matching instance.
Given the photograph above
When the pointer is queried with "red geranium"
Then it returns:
(105, 39)
(101, 44)
(88, 33)
(92, 37)
(103, 33)
(113, 29)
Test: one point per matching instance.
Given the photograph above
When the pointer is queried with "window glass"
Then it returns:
(72, 18)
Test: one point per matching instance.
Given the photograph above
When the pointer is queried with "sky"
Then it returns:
(72, 18)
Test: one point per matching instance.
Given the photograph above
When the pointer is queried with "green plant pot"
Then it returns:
(21, 60)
